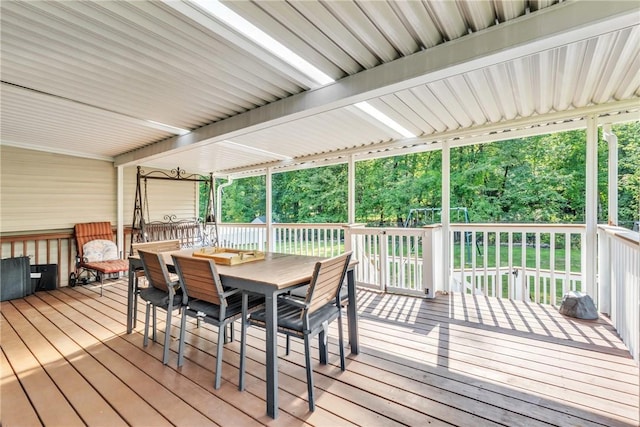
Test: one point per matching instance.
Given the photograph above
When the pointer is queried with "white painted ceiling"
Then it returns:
(88, 78)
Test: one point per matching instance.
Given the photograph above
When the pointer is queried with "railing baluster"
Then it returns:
(552, 268)
(498, 280)
(567, 263)
(524, 282)
(537, 283)
(473, 260)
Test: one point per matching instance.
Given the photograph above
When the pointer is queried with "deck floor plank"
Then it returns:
(40, 388)
(17, 410)
(216, 405)
(87, 332)
(54, 355)
(455, 360)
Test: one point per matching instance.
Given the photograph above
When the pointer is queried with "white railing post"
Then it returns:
(271, 245)
(445, 218)
(604, 272)
(432, 260)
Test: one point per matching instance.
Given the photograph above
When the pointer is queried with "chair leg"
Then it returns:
(145, 342)
(307, 357)
(167, 335)
(288, 345)
(155, 326)
(183, 325)
(221, 330)
(232, 332)
(243, 341)
(135, 300)
(323, 350)
(341, 342)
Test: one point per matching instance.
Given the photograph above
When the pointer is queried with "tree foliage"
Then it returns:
(539, 179)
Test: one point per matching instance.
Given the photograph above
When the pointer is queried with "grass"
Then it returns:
(530, 254)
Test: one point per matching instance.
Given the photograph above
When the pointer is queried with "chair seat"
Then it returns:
(108, 267)
(234, 307)
(158, 297)
(290, 318)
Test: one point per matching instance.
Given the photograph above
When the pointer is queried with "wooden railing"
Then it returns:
(529, 262)
(52, 247)
(537, 263)
(243, 236)
(619, 282)
(392, 259)
(309, 239)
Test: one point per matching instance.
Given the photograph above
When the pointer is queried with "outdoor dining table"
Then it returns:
(270, 277)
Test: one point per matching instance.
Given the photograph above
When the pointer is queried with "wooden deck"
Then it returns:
(456, 360)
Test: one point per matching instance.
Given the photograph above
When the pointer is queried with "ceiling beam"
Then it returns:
(555, 26)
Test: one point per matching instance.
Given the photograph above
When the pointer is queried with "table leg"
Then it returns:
(130, 298)
(271, 321)
(352, 312)
(322, 348)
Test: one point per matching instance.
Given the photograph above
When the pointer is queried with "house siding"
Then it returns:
(42, 191)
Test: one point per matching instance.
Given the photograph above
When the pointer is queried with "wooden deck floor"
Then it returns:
(456, 360)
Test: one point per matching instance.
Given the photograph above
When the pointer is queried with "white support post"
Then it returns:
(269, 213)
(351, 194)
(591, 214)
(120, 210)
(445, 216)
(612, 141)
(431, 261)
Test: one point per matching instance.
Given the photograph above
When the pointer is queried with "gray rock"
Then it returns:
(578, 305)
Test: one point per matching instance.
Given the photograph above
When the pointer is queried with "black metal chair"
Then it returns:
(309, 317)
(162, 292)
(207, 300)
(301, 293)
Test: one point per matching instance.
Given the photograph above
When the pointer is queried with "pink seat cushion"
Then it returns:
(108, 267)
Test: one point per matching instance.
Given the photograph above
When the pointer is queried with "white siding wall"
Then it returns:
(164, 197)
(44, 191)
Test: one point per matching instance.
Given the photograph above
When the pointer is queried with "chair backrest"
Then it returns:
(160, 246)
(155, 269)
(199, 279)
(89, 231)
(326, 281)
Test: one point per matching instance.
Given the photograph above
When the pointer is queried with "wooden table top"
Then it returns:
(277, 270)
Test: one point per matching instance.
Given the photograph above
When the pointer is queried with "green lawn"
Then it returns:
(545, 257)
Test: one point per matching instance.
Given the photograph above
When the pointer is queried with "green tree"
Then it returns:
(628, 173)
(311, 195)
(244, 199)
(536, 179)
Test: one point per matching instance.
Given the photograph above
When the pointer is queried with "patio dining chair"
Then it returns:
(207, 300)
(301, 293)
(158, 246)
(309, 317)
(162, 292)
